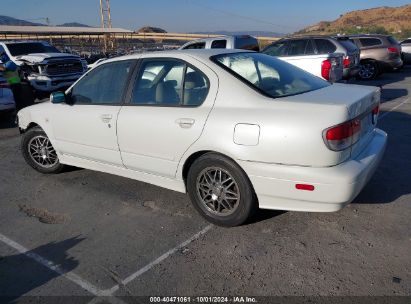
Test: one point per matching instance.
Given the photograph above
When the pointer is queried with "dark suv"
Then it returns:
(379, 53)
(323, 45)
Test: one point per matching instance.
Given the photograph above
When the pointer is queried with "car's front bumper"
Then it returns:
(50, 84)
(275, 185)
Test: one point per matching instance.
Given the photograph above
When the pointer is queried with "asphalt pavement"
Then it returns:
(90, 234)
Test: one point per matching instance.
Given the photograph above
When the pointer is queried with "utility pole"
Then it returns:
(105, 16)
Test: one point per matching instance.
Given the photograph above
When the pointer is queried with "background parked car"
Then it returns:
(318, 45)
(7, 103)
(315, 57)
(379, 53)
(43, 66)
(245, 42)
(406, 50)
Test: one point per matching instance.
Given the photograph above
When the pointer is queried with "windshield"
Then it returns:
(269, 75)
(18, 49)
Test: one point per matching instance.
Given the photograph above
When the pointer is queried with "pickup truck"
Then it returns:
(44, 67)
(302, 53)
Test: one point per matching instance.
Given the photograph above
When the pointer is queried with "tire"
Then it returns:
(39, 153)
(368, 70)
(220, 190)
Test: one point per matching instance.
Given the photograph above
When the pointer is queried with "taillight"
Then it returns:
(346, 62)
(343, 136)
(375, 113)
(393, 50)
(326, 69)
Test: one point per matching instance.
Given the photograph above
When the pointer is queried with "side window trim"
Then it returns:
(138, 72)
(124, 95)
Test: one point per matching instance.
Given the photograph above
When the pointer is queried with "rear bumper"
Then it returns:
(334, 186)
(350, 72)
(391, 64)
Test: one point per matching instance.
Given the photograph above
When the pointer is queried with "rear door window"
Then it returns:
(277, 49)
(219, 44)
(325, 46)
(198, 45)
(299, 47)
(247, 43)
(365, 42)
(169, 82)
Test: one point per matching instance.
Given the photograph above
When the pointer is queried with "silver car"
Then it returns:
(236, 130)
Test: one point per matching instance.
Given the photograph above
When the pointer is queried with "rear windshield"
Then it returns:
(392, 40)
(247, 43)
(269, 75)
(18, 49)
(349, 45)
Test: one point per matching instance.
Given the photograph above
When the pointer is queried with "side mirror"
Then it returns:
(58, 97)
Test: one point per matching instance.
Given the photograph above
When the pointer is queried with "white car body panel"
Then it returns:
(312, 64)
(277, 142)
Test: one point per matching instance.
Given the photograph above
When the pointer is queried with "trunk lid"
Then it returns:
(359, 102)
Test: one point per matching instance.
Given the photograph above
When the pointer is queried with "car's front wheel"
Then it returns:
(39, 153)
(220, 190)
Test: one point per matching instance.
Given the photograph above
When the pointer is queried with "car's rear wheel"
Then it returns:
(368, 70)
(220, 190)
(39, 153)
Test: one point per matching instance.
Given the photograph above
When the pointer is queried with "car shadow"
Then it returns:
(388, 93)
(20, 273)
(393, 176)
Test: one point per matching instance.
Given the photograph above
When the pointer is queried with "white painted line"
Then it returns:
(157, 261)
(393, 108)
(53, 267)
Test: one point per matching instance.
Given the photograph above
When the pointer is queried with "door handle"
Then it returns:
(185, 123)
(106, 118)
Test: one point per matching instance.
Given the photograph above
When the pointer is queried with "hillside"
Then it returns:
(393, 20)
(6, 20)
(151, 29)
(74, 24)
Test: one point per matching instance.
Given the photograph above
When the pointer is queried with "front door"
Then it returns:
(86, 127)
(168, 108)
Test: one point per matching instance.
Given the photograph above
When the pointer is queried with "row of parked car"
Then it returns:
(330, 57)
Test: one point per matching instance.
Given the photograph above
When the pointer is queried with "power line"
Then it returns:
(240, 16)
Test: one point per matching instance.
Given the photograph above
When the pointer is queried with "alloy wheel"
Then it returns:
(42, 152)
(218, 191)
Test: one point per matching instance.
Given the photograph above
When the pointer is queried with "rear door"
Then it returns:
(170, 100)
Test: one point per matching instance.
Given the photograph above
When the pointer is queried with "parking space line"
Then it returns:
(157, 261)
(53, 267)
(393, 108)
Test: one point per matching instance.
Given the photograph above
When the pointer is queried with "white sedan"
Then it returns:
(237, 130)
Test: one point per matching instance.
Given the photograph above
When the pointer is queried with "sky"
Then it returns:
(192, 15)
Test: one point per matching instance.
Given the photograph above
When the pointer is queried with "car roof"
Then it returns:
(365, 36)
(307, 36)
(201, 54)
